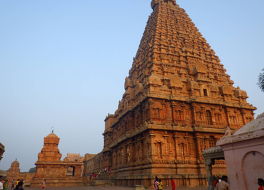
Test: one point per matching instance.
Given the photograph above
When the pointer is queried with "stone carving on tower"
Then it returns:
(178, 101)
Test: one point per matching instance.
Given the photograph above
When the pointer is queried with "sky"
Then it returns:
(63, 64)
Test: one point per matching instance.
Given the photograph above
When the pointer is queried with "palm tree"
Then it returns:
(261, 80)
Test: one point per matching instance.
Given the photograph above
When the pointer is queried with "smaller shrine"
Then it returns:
(14, 174)
(57, 172)
(244, 155)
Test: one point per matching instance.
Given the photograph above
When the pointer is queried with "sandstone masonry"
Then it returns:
(178, 101)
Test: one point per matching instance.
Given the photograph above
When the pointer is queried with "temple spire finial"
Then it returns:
(156, 2)
(52, 129)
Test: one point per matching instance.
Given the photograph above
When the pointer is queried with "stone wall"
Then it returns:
(244, 155)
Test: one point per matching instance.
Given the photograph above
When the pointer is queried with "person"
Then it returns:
(1, 184)
(5, 185)
(222, 185)
(12, 185)
(160, 185)
(215, 181)
(173, 185)
(156, 183)
(43, 185)
(261, 184)
(19, 186)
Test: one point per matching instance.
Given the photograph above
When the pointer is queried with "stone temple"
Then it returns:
(57, 172)
(50, 167)
(178, 101)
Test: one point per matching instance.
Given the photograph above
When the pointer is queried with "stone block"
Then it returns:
(139, 187)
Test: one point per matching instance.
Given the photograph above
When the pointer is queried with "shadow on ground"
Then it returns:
(109, 188)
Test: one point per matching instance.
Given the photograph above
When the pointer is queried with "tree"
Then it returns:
(261, 80)
(32, 170)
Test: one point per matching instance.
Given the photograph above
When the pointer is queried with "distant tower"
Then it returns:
(178, 101)
(13, 172)
(49, 157)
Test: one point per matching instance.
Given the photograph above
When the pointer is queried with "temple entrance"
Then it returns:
(70, 171)
(253, 169)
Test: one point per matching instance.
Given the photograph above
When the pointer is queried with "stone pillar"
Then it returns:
(152, 148)
(166, 146)
(173, 105)
(243, 116)
(193, 114)
(208, 163)
(227, 116)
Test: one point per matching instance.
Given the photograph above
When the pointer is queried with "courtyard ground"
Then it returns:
(105, 188)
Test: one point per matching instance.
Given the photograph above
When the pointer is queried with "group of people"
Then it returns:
(158, 185)
(218, 183)
(17, 185)
(11, 185)
(221, 183)
(43, 184)
(261, 184)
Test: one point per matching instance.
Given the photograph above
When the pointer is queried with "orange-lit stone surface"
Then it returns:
(178, 101)
(57, 172)
(13, 173)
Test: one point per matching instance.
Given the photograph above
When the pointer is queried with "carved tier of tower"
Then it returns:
(178, 101)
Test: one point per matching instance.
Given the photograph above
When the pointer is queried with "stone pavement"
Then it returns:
(85, 188)
(105, 188)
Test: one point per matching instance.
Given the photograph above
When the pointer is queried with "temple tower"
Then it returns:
(50, 151)
(49, 158)
(13, 172)
(178, 101)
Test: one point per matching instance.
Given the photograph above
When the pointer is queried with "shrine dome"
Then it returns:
(52, 135)
(15, 164)
(51, 139)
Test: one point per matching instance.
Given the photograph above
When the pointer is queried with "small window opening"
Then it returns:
(205, 92)
(70, 171)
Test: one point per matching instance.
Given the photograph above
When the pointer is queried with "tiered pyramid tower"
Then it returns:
(57, 172)
(50, 151)
(178, 101)
(13, 172)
